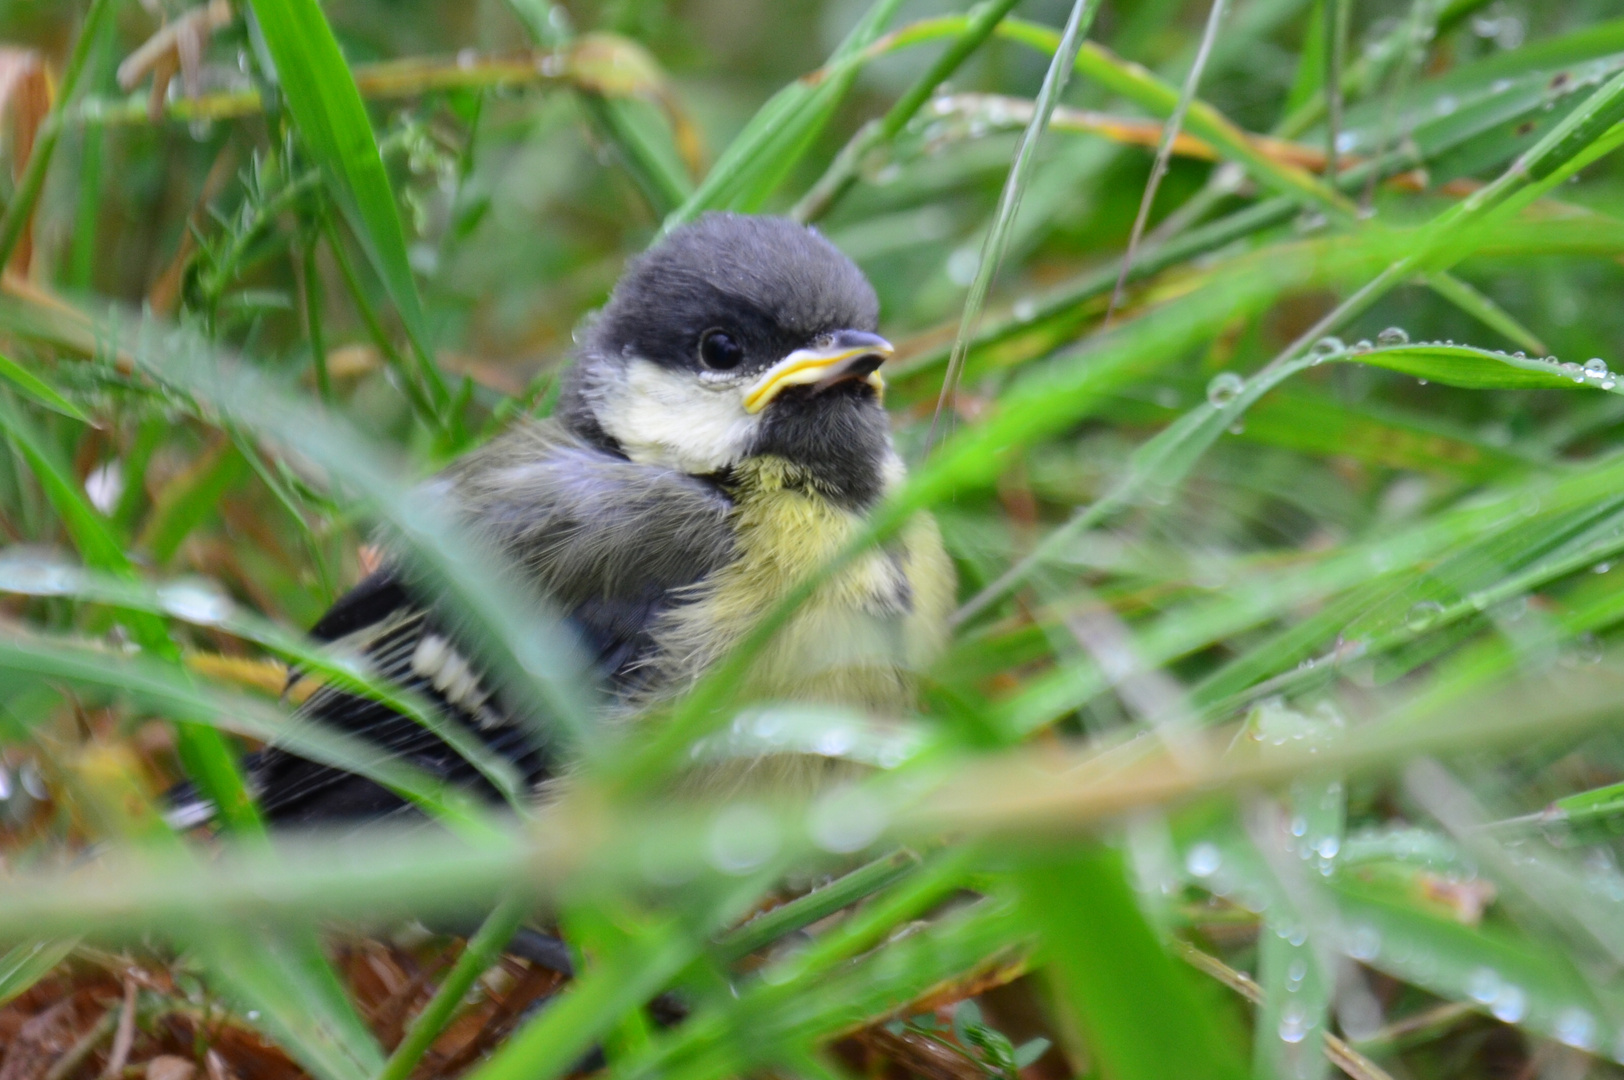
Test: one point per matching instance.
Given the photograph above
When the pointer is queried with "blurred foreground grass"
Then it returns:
(1276, 451)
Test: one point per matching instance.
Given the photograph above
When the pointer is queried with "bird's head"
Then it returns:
(733, 338)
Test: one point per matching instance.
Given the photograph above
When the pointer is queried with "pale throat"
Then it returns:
(665, 417)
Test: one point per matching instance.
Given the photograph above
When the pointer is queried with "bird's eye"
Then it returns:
(719, 351)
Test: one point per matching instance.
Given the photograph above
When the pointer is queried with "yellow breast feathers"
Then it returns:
(861, 638)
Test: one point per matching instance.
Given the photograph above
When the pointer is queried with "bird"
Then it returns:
(719, 434)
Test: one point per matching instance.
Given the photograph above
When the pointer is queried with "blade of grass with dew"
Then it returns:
(321, 95)
(1199, 624)
(1009, 199)
(1584, 134)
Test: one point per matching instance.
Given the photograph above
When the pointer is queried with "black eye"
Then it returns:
(719, 351)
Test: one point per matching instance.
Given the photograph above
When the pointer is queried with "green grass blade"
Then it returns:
(1142, 1014)
(26, 964)
(31, 385)
(483, 950)
(332, 120)
(285, 979)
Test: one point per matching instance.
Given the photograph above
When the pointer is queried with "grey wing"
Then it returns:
(607, 540)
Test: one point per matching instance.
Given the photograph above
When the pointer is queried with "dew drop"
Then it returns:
(1296, 972)
(1510, 1004)
(1393, 336)
(1423, 615)
(1596, 367)
(1576, 1028)
(742, 837)
(1326, 347)
(1328, 847)
(1365, 943)
(32, 782)
(846, 821)
(196, 602)
(962, 265)
(35, 577)
(1203, 860)
(1224, 388)
(104, 486)
(1601, 568)
(1293, 1025)
(1361, 347)
(1483, 986)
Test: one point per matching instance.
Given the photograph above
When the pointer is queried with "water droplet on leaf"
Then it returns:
(1224, 388)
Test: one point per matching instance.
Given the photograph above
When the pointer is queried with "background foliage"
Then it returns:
(1275, 449)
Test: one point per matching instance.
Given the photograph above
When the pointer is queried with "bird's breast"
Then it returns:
(861, 638)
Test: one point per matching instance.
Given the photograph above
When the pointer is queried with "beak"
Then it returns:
(852, 354)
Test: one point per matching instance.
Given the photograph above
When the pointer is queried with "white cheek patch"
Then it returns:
(672, 418)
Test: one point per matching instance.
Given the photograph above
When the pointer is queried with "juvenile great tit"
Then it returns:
(719, 435)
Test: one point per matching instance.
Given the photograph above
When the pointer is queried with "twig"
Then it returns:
(1337, 1050)
(76, 1054)
(124, 1037)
